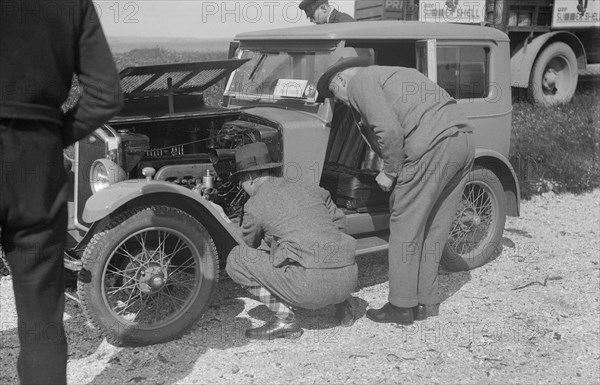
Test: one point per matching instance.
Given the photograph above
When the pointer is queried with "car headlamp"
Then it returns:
(104, 173)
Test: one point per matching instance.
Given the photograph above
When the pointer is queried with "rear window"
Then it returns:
(463, 71)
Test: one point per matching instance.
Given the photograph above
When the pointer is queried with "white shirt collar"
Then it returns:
(329, 14)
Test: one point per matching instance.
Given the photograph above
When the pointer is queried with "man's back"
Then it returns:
(297, 214)
(43, 43)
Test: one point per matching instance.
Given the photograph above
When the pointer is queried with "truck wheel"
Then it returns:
(148, 276)
(477, 229)
(554, 76)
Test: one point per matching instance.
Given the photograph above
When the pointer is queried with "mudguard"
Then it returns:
(506, 173)
(107, 201)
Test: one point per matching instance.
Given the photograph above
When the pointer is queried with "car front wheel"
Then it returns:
(476, 233)
(148, 276)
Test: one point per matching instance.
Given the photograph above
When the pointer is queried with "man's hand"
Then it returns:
(384, 181)
(220, 211)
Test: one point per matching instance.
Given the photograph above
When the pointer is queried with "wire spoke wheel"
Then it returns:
(146, 281)
(153, 273)
(477, 228)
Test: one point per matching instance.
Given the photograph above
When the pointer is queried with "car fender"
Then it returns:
(501, 167)
(109, 200)
(523, 57)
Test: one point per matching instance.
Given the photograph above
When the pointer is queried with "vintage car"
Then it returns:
(148, 242)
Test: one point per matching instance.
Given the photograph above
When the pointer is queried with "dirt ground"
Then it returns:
(532, 315)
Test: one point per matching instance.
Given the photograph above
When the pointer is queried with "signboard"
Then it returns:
(576, 13)
(393, 5)
(452, 11)
(290, 88)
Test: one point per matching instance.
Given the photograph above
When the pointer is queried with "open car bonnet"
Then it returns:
(168, 89)
(180, 78)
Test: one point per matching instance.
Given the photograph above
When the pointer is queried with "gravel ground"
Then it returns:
(530, 316)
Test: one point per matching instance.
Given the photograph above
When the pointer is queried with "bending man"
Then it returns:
(426, 147)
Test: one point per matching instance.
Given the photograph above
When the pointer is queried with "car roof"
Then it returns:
(378, 30)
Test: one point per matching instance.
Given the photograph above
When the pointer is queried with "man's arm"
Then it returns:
(367, 96)
(337, 216)
(252, 230)
(101, 95)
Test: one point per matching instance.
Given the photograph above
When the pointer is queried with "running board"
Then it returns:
(372, 243)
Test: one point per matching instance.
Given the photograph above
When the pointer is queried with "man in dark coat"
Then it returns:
(42, 44)
(321, 12)
(296, 253)
(427, 151)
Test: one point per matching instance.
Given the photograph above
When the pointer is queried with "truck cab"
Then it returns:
(551, 41)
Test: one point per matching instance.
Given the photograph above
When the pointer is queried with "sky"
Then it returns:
(201, 18)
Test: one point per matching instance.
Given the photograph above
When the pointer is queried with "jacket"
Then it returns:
(404, 114)
(43, 43)
(299, 223)
(339, 17)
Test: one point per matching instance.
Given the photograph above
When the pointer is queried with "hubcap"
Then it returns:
(152, 278)
(550, 80)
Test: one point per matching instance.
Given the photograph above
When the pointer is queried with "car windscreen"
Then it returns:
(276, 75)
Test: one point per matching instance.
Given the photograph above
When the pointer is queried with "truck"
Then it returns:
(551, 41)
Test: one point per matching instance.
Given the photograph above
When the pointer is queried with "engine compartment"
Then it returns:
(197, 153)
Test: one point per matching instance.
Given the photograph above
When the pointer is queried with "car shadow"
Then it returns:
(219, 328)
(373, 270)
(520, 232)
(76, 329)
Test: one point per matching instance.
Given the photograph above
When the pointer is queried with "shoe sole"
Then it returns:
(390, 321)
(293, 335)
(288, 335)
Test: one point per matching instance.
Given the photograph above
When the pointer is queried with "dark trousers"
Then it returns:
(33, 222)
(295, 285)
(423, 205)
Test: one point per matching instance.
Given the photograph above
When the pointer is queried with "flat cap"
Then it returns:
(341, 59)
(308, 6)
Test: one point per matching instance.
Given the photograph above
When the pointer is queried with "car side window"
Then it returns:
(463, 71)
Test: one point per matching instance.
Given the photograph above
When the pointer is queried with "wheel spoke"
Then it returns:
(123, 251)
(171, 297)
(179, 247)
(141, 238)
(121, 288)
(129, 304)
(182, 266)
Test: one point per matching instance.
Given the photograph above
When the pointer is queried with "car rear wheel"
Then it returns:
(148, 276)
(476, 232)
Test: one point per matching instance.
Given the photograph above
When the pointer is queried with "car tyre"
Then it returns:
(148, 276)
(476, 233)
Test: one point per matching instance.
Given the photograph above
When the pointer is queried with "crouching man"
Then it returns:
(297, 254)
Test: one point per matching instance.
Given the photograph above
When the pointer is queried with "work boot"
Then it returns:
(391, 314)
(276, 328)
(419, 312)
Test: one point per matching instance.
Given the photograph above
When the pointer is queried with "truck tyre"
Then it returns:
(476, 232)
(553, 79)
(148, 276)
